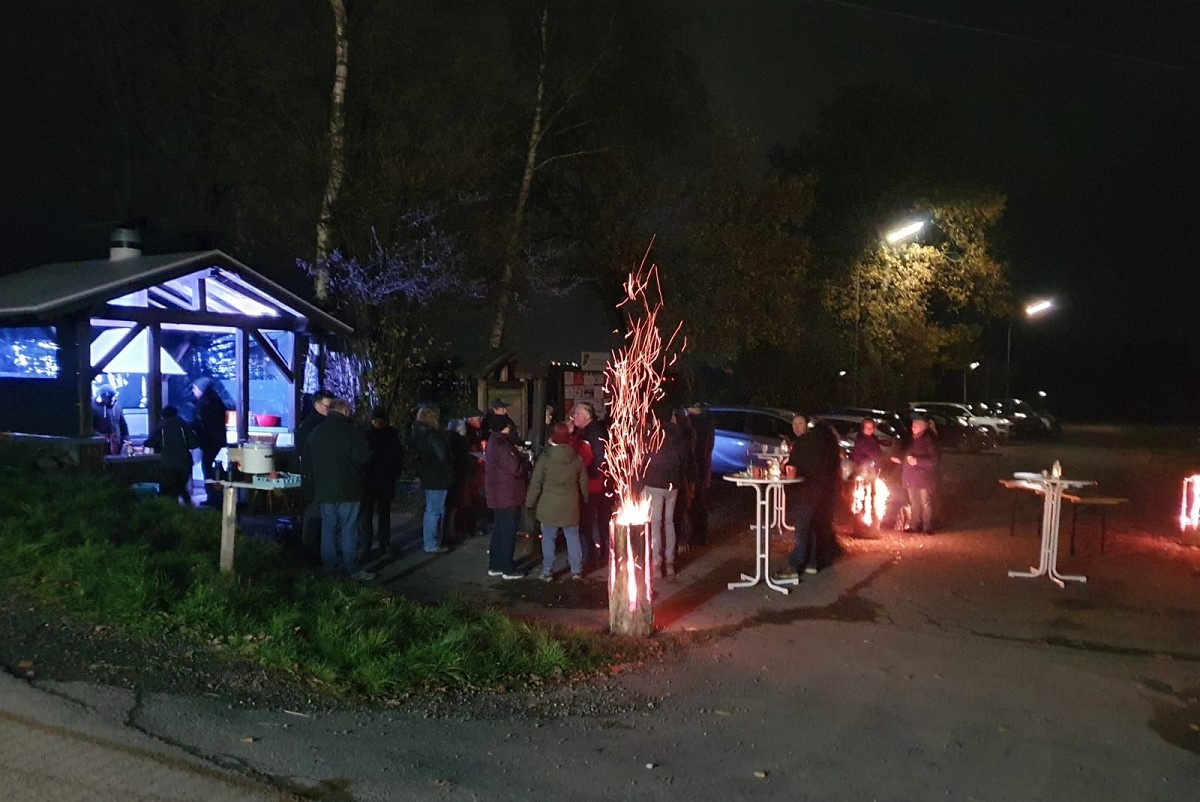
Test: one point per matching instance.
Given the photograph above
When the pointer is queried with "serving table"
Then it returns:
(1051, 488)
(229, 506)
(768, 516)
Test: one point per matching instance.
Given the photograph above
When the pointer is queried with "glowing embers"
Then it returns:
(1189, 508)
(870, 500)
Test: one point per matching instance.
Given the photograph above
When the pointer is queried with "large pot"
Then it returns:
(258, 458)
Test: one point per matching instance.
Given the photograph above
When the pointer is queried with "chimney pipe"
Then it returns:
(125, 243)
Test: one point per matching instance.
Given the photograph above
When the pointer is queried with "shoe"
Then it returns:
(545, 576)
(438, 550)
(495, 573)
(785, 576)
(810, 570)
(670, 571)
(512, 575)
(576, 577)
(362, 576)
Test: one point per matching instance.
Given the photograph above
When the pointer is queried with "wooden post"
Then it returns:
(629, 581)
(228, 527)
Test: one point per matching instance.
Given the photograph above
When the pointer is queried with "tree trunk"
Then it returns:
(629, 581)
(512, 248)
(337, 145)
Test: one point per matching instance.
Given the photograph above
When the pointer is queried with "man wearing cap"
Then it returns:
(310, 536)
(474, 421)
(379, 480)
(497, 419)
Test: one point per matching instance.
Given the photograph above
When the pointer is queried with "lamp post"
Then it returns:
(1032, 309)
(891, 238)
(966, 370)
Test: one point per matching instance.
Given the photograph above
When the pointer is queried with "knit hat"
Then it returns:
(473, 413)
(379, 413)
(560, 434)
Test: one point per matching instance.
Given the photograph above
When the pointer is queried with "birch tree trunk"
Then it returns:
(512, 248)
(337, 145)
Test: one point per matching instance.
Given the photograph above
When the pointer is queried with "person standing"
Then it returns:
(918, 475)
(505, 483)
(310, 526)
(867, 453)
(703, 437)
(595, 513)
(174, 441)
(208, 424)
(436, 472)
(661, 481)
(339, 453)
(556, 493)
(108, 420)
(807, 500)
(379, 480)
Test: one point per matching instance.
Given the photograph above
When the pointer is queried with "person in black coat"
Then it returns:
(919, 476)
(810, 505)
(310, 525)
(339, 453)
(173, 439)
(208, 424)
(379, 480)
(665, 474)
(703, 437)
(108, 420)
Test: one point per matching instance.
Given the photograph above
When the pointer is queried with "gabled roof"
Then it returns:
(48, 291)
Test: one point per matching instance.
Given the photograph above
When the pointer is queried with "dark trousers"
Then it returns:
(800, 515)
(698, 515)
(504, 539)
(377, 516)
(920, 500)
(816, 545)
(593, 526)
(208, 456)
(173, 484)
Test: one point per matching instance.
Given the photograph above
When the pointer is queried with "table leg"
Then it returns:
(759, 548)
(1047, 535)
(1055, 576)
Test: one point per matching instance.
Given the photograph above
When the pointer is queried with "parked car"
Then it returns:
(848, 425)
(741, 430)
(1000, 427)
(1027, 421)
(957, 433)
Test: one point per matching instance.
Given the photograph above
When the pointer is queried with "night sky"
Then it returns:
(1091, 108)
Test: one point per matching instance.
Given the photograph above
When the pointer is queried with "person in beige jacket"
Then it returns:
(556, 493)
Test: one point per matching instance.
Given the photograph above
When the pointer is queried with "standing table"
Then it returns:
(1051, 489)
(229, 507)
(768, 516)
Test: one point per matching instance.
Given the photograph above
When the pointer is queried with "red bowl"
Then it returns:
(267, 420)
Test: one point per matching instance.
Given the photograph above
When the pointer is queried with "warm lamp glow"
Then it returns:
(1037, 307)
(905, 231)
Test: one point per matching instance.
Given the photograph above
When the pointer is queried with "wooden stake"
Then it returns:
(228, 527)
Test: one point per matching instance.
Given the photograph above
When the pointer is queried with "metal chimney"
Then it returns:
(125, 243)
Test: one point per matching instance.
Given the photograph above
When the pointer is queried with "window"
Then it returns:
(28, 352)
(729, 420)
(764, 425)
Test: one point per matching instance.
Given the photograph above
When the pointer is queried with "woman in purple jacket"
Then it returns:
(505, 479)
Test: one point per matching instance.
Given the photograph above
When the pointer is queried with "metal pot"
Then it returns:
(258, 458)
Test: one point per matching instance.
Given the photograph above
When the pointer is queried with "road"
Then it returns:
(915, 669)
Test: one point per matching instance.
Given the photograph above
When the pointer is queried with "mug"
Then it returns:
(789, 471)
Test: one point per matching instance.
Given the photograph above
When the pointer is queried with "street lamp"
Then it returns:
(968, 368)
(892, 237)
(1032, 309)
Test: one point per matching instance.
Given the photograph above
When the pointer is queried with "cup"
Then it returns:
(789, 471)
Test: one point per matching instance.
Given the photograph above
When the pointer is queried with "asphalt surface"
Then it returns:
(914, 669)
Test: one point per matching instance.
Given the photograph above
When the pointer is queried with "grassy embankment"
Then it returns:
(149, 567)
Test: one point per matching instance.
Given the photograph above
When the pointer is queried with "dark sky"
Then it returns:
(1090, 106)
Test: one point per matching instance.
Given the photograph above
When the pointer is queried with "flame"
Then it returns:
(870, 499)
(633, 381)
(1189, 509)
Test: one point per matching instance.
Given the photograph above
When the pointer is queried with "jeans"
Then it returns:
(801, 516)
(504, 539)
(339, 532)
(920, 499)
(662, 515)
(574, 547)
(435, 511)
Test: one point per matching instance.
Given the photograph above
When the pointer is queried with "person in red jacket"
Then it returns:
(505, 481)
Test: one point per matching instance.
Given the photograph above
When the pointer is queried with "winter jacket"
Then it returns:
(387, 458)
(504, 476)
(558, 487)
(173, 439)
(703, 437)
(593, 433)
(209, 421)
(923, 475)
(666, 467)
(866, 450)
(432, 456)
(814, 455)
(338, 452)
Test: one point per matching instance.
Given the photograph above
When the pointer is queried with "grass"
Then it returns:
(149, 567)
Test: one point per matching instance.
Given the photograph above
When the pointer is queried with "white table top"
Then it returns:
(1030, 476)
(747, 480)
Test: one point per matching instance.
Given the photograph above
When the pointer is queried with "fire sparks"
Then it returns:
(633, 381)
(870, 501)
(1189, 509)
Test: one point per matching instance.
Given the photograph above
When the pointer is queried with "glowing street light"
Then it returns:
(1032, 309)
(966, 370)
(904, 232)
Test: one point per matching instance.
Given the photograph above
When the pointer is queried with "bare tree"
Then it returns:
(337, 145)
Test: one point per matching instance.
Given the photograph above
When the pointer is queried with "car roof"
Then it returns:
(777, 411)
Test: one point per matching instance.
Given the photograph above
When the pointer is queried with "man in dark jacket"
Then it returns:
(506, 479)
(593, 527)
(919, 476)
(339, 452)
(703, 436)
(813, 453)
(436, 472)
(379, 480)
(208, 424)
(108, 420)
(310, 537)
(662, 480)
(174, 441)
